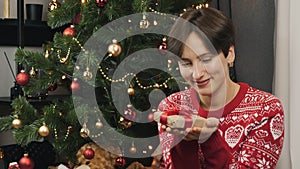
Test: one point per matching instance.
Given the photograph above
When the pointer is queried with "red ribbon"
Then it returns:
(166, 113)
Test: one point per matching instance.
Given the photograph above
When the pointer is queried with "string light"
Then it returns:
(199, 6)
(122, 79)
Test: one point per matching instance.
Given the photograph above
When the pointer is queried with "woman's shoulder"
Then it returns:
(258, 97)
(256, 94)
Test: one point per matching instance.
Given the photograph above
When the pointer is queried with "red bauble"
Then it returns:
(22, 78)
(120, 162)
(70, 31)
(75, 86)
(162, 48)
(77, 18)
(89, 153)
(26, 163)
(129, 113)
(52, 87)
(151, 117)
(101, 3)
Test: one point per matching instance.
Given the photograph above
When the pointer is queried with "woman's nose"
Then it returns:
(198, 70)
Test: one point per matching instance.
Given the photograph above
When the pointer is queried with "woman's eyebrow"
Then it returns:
(205, 54)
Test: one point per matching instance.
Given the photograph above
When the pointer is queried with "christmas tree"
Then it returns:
(111, 68)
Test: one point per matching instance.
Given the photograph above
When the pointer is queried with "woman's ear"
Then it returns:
(231, 56)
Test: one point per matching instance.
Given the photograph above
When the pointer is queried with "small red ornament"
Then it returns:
(101, 3)
(75, 86)
(13, 165)
(22, 78)
(70, 31)
(89, 153)
(26, 163)
(52, 87)
(150, 117)
(120, 162)
(129, 113)
(77, 18)
(162, 48)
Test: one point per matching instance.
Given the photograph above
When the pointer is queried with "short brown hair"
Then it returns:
(217, 27)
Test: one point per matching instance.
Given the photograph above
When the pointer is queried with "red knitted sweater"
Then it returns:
(250, 133)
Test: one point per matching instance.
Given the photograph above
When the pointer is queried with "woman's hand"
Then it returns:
(202, 133)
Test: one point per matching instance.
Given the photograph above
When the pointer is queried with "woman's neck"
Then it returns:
(220, 97)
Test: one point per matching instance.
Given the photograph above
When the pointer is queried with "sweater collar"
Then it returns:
(223, 111)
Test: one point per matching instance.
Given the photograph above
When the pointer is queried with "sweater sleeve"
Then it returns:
(264, 140)
(166, 140)
(216, 152)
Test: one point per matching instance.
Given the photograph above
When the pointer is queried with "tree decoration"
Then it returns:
(120, 162)
(69, 31)
(162, 48)
(89, 153)
(150, 117)
(16, 123)
(77, 18)
(129, 113)
(32, 73)
(115, 48)
(1, 154)
(26, 163)
(132, 149)
(99, 124)
(54, 4)
(84, 1)
(44, 130)
(84, 132)
(124, 123)
(75, 87)
(101, 3)
(144, 23)
(87, 74)
(130, 91)
(52, 87)
(13, 165)
(22, 78)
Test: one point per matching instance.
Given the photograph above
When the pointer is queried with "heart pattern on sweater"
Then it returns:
(233, 135)
(276, 126)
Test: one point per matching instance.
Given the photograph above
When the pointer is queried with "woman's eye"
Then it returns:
(206, 59)
(185, 64)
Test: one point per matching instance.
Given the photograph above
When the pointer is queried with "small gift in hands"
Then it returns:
(190, 125)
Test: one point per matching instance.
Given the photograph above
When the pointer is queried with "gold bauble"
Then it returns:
(130, 91)
(44, 131)
(124, 124)
(32, 73)
(17, 123)
(84, 1)
(99, 125)
(53, 5)
(133, 150)
(144, 23)
(115, 48)
(87, 74)
(84, 132)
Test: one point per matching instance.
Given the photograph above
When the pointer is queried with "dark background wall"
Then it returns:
(254, 21)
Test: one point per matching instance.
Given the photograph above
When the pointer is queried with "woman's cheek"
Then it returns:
(186, 73)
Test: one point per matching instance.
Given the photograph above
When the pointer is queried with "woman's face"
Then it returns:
(203, 70)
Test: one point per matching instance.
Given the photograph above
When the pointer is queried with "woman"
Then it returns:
(244, 126)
